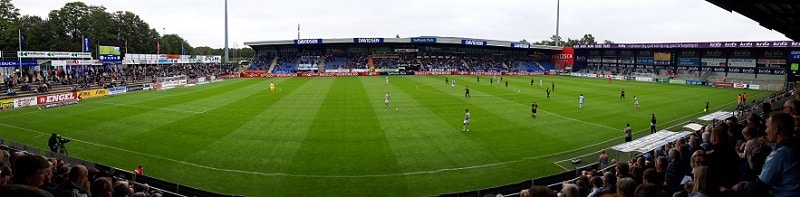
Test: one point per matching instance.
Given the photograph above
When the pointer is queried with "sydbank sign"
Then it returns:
(307, 41)
(423, 40)
(367, 40)
(473, 42)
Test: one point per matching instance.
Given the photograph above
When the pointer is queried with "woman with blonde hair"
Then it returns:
(702, 184)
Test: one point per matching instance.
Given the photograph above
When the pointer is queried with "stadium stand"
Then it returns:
(736, 161)
(88, 77)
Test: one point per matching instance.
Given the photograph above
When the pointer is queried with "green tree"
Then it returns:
(139, 36)
(171, 44)
(587, 39)
(37, 32)
(9, 27)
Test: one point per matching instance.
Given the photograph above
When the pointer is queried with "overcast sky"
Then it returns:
(201, 22)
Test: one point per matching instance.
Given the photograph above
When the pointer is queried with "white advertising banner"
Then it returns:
(742, 62)
(713, 62)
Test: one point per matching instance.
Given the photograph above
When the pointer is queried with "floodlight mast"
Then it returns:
(226, 31)
(558, 14)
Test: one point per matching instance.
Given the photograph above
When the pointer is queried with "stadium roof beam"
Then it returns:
(778, 15)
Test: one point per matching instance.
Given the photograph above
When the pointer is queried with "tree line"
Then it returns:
(64, 29)
(586, 39)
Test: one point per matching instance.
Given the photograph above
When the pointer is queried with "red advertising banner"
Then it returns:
(308, 74)
(368, 74)
(337, 74)
(173, 56)
(564, 58)
(433, 73)
(157, 86)
(280, 75)
(56, 98)
(723, 84)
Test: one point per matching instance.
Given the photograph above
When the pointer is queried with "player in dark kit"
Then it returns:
(548, 93)
(554, 86)
(466, 92)
(622, 94)
(534, 106)
(506, 83)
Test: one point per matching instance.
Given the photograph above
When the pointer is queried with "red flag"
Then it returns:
(158, 44)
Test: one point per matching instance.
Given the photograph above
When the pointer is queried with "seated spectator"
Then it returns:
(779, 176)
(649, 190)
(626, 186)
(30, 170)
(77, 186)
(5, 175)
(102, 187)
(569, 190)
(609, 183)
(23, 190)
(10, 92)
(702, 186)
(538, 191)
(597, 186)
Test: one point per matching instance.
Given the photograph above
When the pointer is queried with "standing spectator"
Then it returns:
(653, 123)
(603, 159)
(722, 158)
(628, 132)
(706, 139)
(139, 170)
(673, 175)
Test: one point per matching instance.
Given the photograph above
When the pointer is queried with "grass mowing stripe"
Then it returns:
(345, 138)
(423, 141)
(503, 120)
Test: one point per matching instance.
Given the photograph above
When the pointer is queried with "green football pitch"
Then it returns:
(333, 135)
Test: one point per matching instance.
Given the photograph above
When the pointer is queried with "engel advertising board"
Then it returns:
(56, 98)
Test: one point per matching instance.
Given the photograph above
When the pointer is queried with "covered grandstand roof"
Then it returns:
(412, 40)
(778, 15)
